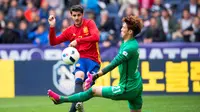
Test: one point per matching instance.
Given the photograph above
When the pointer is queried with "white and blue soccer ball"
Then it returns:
(70, 55)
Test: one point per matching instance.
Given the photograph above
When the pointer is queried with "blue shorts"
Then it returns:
(86, 65)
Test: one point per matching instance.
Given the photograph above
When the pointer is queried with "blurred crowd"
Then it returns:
(25, 21)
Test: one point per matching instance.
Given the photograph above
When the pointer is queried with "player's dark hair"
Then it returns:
(76, 8)
(134, 23)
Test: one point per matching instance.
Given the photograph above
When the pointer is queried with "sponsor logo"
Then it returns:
(63, 79)
(55, 53)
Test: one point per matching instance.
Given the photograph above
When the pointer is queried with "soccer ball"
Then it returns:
(70, 55)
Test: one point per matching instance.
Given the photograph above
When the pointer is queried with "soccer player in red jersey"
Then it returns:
(84, 36)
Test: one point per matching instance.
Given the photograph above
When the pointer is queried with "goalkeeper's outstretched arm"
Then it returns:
(119, 59)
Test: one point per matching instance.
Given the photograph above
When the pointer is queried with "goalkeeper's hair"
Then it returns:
(77, 8)
(134, 23)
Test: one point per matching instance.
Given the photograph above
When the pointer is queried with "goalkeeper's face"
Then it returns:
(124, 31)
(77, 17)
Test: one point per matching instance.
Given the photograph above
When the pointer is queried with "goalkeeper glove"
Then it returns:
(90, 80)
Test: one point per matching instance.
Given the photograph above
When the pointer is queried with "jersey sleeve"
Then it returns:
(64, 36)
(125, 55)
(94, 34)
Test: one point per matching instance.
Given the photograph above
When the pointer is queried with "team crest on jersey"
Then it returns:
(63, 79)
(85, 30)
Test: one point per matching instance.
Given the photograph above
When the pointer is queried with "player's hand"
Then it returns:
(52, 21)
(73, 43)
(90, 81)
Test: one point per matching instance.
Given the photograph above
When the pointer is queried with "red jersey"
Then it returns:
(87, 37)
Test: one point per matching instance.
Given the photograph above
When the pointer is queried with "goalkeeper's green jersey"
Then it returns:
(128, 61)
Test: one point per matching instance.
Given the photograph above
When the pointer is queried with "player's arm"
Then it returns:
(94, 34)
(119, 59)
(64, 36)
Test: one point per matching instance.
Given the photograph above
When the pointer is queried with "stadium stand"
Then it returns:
(27, 19)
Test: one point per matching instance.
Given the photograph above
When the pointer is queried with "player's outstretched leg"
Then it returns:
(79, 97)
(54, 97)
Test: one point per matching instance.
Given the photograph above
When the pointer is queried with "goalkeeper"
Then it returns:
(130, 84)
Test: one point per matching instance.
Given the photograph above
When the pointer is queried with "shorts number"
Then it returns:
(116, 89)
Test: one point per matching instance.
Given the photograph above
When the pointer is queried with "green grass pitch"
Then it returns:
(172, 103)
